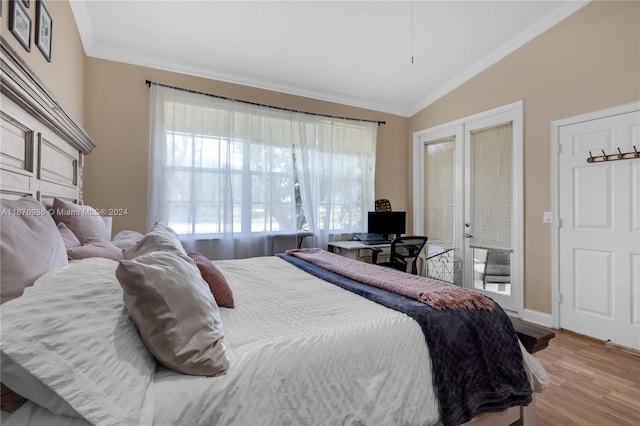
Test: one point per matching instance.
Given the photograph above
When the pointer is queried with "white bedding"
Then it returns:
(302, 352)
(305, 352)
(71, 333)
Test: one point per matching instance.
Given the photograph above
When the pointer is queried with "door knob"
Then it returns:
(467, 235)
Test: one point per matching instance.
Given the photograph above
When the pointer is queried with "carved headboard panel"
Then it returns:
(42, 147)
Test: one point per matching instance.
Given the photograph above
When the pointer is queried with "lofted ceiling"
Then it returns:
(357, 53)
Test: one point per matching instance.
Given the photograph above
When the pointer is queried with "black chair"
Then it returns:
(497, 267)
(403, 251)
(383, 205)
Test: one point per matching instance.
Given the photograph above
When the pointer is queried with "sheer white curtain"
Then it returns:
(223, 173)
(336, 169)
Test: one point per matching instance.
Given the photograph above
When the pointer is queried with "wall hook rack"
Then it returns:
(610, 157)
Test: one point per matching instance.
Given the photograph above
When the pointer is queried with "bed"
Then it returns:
(300, 346)
(301, 351)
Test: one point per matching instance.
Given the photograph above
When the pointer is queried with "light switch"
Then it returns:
(546, 217)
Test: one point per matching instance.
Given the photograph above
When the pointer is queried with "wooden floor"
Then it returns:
(590, 383)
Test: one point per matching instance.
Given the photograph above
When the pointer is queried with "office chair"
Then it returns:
(403, 251)
(497, 267)
(383, 205)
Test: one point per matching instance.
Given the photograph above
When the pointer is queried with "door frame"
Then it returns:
(515, 111)
(555, 193)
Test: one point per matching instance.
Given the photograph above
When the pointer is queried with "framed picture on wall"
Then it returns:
(44, 30)
(20, 24)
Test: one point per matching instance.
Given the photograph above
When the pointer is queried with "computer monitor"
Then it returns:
(387, 224)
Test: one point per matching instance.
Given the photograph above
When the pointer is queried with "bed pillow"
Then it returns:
(160, 238)
(83, 221)
(214, 278)
(71, 333)
(126, 239)
(30, 245)
(69, 238)
(95, 247)
(175, 313)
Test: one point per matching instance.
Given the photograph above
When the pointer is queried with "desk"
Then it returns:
(359, 251)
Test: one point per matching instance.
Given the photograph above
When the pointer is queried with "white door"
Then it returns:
(446, 201)
(493, 200)
(599, 229)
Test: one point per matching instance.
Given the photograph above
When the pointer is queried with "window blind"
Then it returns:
(491, 183)
(439, 199)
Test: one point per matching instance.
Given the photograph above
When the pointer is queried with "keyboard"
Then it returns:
(371, 239)
(376, 242)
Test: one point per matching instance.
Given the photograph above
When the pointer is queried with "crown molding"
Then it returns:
(100, 51)
(562, 12)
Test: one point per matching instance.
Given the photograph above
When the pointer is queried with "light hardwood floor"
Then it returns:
(590, 383)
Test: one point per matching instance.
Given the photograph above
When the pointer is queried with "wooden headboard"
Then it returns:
(42, 148)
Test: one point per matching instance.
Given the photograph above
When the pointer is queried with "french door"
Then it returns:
(468, 196)
(493, 207)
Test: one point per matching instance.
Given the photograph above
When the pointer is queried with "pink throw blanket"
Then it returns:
(437, 294)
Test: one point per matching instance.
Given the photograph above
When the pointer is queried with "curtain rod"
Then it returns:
(149, 83)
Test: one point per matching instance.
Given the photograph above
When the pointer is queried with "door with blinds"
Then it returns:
(441, 199)
(492, 239)
(439, 202)
(468, 182)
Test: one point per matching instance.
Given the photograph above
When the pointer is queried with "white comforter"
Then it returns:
(303, 352)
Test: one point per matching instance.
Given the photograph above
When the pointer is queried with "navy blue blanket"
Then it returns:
(476, 359)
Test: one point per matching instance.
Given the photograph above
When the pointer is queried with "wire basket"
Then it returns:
(445, 267)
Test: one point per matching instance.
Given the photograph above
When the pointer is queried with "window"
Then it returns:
(227, 169)
(200, 167)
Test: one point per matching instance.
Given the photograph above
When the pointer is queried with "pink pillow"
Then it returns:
(96, 247)
(83, 221)
(214, 278)
(30, 245)
(69, 238)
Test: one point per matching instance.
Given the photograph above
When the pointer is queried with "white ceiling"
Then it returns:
(352, 52)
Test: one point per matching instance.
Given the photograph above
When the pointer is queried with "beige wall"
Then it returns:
(588, 62)
(118, 101)
(64, 76)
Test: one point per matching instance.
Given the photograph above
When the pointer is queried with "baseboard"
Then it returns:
(536, 317)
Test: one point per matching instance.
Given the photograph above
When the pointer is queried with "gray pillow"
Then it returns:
(175, 312)
(30, 245)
